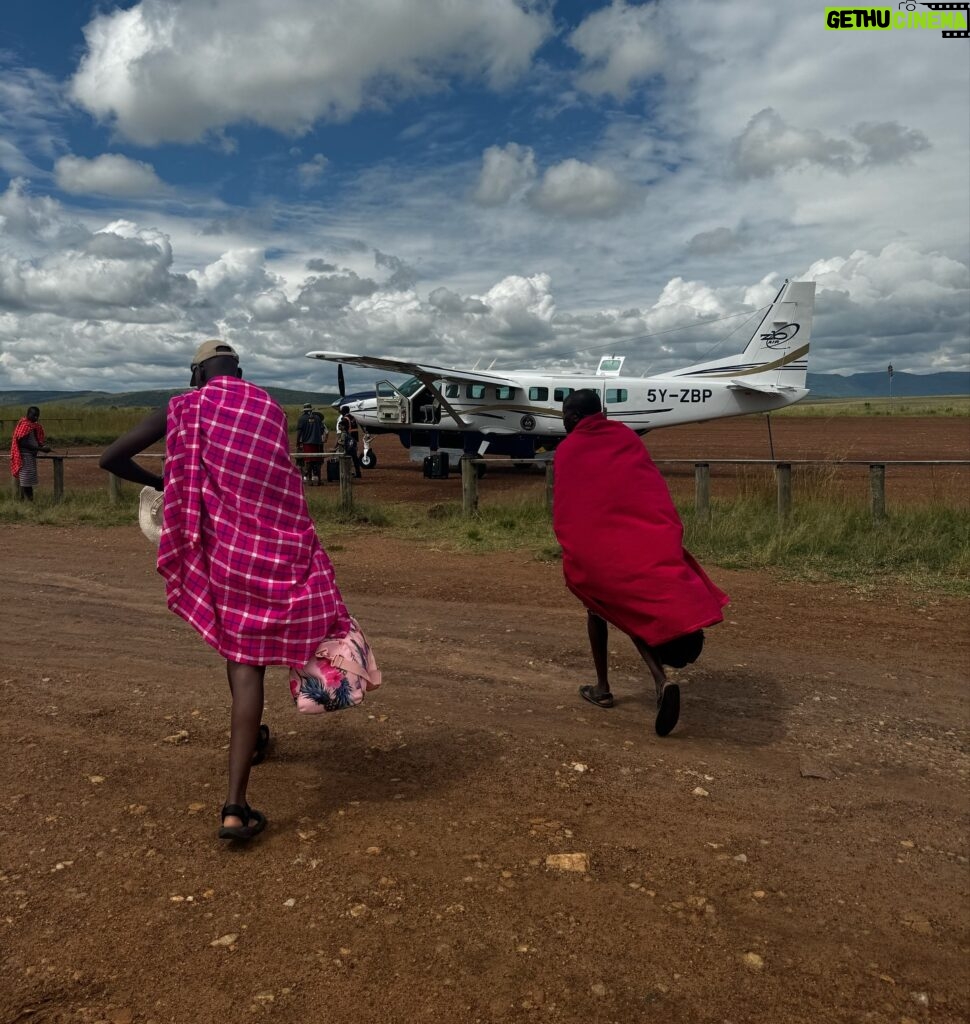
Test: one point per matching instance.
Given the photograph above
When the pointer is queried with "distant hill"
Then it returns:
(822, 385)
(143, 399)
(876, 385)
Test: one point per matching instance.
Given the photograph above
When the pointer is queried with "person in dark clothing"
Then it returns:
(349, 429)
(310, 439)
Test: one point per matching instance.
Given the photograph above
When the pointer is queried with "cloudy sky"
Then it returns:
(532, 181)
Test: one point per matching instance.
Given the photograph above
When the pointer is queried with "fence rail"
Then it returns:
(470, 480)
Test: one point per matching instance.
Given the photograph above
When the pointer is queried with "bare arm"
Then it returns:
(119, 455)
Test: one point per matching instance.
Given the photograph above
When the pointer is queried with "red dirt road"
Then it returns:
(403, 876)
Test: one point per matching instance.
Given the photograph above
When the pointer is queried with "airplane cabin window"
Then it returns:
(452, 391)
(538, 394)
(615, 395)
(561, 394)
(503, 393)
(475, 391)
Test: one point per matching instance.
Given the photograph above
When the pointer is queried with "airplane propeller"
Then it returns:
(341, 387)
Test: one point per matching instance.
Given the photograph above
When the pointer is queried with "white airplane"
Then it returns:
(519, 412)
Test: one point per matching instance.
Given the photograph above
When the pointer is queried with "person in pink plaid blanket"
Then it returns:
(238, 551)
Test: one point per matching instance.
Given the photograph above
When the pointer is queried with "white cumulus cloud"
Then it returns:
(108, 175)
(579, 190)
(506, 171)
(174, 70)
(621, 47)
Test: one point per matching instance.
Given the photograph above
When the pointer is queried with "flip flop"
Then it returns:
(601, 700)
(262, 745)
(668, 709)
(253, 823)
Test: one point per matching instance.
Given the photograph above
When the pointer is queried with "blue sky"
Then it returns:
(451, 180)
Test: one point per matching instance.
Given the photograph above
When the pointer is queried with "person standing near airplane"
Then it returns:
(349, 429)
(623, 553)
(311, 436)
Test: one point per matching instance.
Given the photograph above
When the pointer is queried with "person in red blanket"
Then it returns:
(28, 439)
(623, 554)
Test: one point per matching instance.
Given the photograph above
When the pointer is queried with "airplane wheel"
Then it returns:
(369, 459)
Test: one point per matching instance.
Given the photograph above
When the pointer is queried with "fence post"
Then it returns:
(58, 461)
(346, 487)
(550, 481)
(112, 489)
(877, 491)
(702, 491)
(469, 487)
(783, 474)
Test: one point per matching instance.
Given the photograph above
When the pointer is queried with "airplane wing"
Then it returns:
(423, 371)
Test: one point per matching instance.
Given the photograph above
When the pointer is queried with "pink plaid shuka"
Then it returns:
(239, 553)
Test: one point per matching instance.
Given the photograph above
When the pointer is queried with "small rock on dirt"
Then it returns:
(224, 940)
(568, 862)
(752, 960)
(810, 770)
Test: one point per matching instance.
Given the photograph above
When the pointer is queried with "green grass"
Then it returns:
(827, 539)
(949, 405)
(72, 426)
(926, 547)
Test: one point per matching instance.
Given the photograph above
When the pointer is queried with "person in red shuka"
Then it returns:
(623, 554)
(238, 551)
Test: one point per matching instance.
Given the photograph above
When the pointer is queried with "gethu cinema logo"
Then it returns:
(951, 18)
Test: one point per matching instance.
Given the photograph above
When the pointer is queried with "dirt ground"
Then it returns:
(837, 437)
(796, 851)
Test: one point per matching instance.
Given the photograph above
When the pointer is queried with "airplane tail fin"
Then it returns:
(775, 358)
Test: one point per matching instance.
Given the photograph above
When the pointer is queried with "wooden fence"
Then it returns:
(470, 481)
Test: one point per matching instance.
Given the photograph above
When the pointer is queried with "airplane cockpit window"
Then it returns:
(452, 391)
(475, 391)
(538, 394)
(411, 385)
(504, 393)
(561, 394)
(616, 395)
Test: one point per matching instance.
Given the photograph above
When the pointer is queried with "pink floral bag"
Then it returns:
(337, 676)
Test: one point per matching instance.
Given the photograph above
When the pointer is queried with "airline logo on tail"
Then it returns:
(781, 336)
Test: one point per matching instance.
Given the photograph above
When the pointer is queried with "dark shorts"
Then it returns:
(684, 650)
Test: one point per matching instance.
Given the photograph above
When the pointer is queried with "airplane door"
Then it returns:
(392, 406)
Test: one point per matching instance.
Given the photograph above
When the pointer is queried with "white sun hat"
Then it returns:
(150, 506)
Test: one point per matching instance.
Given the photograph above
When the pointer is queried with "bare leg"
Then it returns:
(656, 669)
(668, 694)
(246, 686)
(26, 494)
(598, 632)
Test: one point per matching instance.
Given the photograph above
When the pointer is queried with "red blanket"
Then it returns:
(621, 537)
(21, 430)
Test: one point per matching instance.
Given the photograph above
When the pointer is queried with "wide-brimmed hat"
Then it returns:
(151, 504)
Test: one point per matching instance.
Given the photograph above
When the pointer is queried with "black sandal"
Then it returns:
(668, 709)
(253, 822)
(262, 745)
(601, 700)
